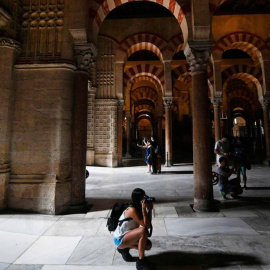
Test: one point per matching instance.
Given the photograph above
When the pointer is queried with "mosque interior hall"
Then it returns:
(84, 82)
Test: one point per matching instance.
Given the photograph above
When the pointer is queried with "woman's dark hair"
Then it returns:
(136, 197)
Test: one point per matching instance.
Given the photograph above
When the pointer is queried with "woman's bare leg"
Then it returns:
(136, 238)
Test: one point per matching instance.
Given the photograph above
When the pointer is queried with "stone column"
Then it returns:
(265, 106)
(120, 131)
(198, 58)
(168, 131)
(90, 155)
(159, 133)
(128, 117)
(84, 56)
(216, 104)
(9, 50)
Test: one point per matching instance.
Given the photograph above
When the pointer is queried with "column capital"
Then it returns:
(11, 43)
(198, 55)
(265, 102)
(120, 104)
(167, 101)
(217, 101)
(85, 55)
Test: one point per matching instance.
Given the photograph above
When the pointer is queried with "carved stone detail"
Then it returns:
(85, 55)
(167, 101)
(217, 102)
(265, 102)
(198, 57)
(42, 27)
(8, 42)
(120, 104)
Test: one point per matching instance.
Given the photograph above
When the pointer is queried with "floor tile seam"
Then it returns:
(73, 250)
(59, 219)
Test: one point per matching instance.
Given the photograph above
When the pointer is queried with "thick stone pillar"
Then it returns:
(9, 50)
(90, 155)
(216, 104)
(84, 56)
(198, 58)
(128, 117)
(265, 106)
(168, 131)
(120, 131)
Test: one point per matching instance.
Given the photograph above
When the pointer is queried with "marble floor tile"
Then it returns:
(84, 267)
(238, 212)
(259, 224)
(161, 211)
(98, 250)
(13, 245)
(4, 266)
(103, 229)
(4, 217)
(49, 250)
(98, 214)
(28, 224)
(75, 216)
(159, 228)
(207, 226)
(75, 227)
(25, 267)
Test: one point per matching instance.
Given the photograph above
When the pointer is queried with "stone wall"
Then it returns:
(41, 141)
(106, 132)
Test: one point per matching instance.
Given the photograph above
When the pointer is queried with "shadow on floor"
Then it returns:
(258, 188)
(177, 172)
(206, 260)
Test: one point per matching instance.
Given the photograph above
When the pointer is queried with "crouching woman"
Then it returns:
(132, 230)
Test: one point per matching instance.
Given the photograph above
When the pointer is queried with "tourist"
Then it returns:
(222, 148)
(133, 233)
(227, 187)
(146, 146)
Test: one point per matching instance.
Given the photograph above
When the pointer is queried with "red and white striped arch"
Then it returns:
(176, 43)
(249, 43)
(107, 6)
(179, 71)
(147, 78)
(144, 70)
(144, 92)
(248, 79)
(244, 70)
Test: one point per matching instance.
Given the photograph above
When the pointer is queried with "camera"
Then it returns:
(149, 199)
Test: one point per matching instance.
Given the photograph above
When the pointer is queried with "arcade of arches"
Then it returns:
(83, 81)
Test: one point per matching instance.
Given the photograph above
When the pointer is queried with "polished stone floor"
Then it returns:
(235, 237)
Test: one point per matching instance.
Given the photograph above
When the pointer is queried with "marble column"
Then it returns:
(198, 58)
(120, 131)
(128, 117)
(216, 104)
(168, 131)
(84, 56)
(9, 50)
(90, 154)
(265, 106)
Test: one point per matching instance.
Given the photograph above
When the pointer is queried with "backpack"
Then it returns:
(116, 213)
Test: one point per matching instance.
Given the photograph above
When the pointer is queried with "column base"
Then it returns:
(205, 206)
(127, 155)
(266, 162)
(80, 208)
(168, 164)
(90, 157)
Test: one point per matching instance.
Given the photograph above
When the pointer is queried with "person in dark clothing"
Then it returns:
(153, 155)
(227, 187)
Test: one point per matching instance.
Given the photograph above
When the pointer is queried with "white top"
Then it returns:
(222, 147)
(125, 227)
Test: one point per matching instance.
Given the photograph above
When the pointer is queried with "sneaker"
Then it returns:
(223, 194)
(125, 254)
(144, 264)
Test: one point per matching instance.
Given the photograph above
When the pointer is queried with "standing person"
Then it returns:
(240, 160)
(153, 155)
(227, 187)
(133, 233)
(146, 146)
(222, 148)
